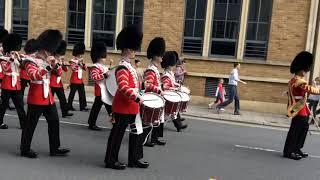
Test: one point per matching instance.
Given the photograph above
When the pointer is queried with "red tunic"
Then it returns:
(152, 79)
(9, 70)
(124, 102)
(54, 76)
(75, 67)
(96, 74)
(168, 81)
(1, 73)
(37, 73)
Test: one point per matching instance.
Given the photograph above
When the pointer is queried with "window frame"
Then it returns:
(13, 25)
(75, 29)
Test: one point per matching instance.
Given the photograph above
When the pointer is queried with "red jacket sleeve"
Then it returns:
(65, 68)
(122, 77)
(6, 66)
(34, 72)
(151, 78)
(96, 74)
(166, 81)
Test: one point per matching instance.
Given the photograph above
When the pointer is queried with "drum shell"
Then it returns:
(183, 106)
(150, 115)
(171, 107)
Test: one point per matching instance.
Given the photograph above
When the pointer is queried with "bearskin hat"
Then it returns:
(31, 46)
(78, 49)
(169, 59)
(12, 43)
(62, 48)
(3, 34)
(303, 61)
(98, 51)
(49, 40)
(157, 47)
(129, 38)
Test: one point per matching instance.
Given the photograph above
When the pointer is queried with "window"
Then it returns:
(225, 27)
(1, 14)
(76, 21)
(20, 18)
(104, 21)
(194, 26)
(133, 12)
(258, 29)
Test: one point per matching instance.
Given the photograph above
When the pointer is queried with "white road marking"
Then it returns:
(266, 150)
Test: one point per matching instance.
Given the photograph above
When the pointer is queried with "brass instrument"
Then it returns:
(293, 106)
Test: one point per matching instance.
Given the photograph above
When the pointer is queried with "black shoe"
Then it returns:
(293, 156)
(302, 154)
(182, 119)
(138, 164)
(94, 128)
(67, 114)
(59, 152)
(159, 142)
(84, 109)
(4, 126)
(149, 144)
(184, 126)
(237, 113)
(29, 154)
(116, 165)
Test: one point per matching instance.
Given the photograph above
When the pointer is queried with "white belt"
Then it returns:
(14, 77)
(10, 74)
(298, 97)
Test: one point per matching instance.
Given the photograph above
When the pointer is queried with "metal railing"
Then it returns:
(75, 35)
(192, 45)
(256, 49)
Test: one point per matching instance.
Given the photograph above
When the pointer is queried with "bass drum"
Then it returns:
(111, 81)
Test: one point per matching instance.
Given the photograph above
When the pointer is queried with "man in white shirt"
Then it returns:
(233, 90)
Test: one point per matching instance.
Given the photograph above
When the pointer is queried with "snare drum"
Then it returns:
(185, 98)
(152, 108)
(172, 104)
(185, 89)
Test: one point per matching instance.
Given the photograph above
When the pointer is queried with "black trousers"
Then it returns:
(82, 95)
(157, 132)
(62, 99)
(96, 107)
(17, 100)
(24, 84)
(34, 112)
(297, 134)
(115, 138)
(233, 95)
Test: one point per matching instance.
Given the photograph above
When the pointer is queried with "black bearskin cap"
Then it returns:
(303, 61)
(12, 43)
(157, 47)
(3, 34)
(129, 38)
(62, 48)
(49, 40)
(169, 59)
(78, 49)
(31, 46)
(98, 51)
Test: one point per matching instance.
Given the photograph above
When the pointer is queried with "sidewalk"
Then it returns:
(246, 117)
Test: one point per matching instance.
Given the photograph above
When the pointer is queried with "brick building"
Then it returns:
(264, 35)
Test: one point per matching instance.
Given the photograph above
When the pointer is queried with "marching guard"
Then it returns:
(126, 104)
(169, 60)
(99, 73)
(155, 52)
(3, 35)
(56, 84)
(76, 81)
(11, 87)
(40, 99)
(297, 106)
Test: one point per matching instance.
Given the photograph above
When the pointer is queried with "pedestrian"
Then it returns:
(220, 95)
(40, 99)
(298, 90)
(233, 90)
(313, 100)
(126, 104)
(180, 71)
(99, 73)
(76, 81)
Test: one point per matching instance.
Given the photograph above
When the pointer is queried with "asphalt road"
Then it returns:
(204, 150)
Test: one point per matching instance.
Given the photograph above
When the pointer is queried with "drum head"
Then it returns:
(111, 81)
(185, 89)
(152, 100)
(184, 96)
(172, 96)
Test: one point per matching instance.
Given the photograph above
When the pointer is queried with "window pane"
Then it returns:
(1, 13)
(218, 29)
(188, 28)
(234, 12)
(198, 30)
(81, 21)
(109, 23)
(72, 5)
(81, 5)
(128, 9)
(191, 5)
(254, 10)
(138, 8)
(20, 18)
(263, 32)
(220, 11)
(251, 31)
(201, 4)
(98, 21)
(16, 4)
(98, 6)
(133, 12)
(265, 14)
(105, 37)
(232, 30)
(110, 6)
(76, 21)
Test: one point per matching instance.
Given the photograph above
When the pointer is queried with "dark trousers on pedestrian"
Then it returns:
(233, 95)
(34, 112)
(313, 106)
(17, 100)
(24, 84)
(62, 99)
(297, 134)
(96, 107)
(115, 138)
(82, 95)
